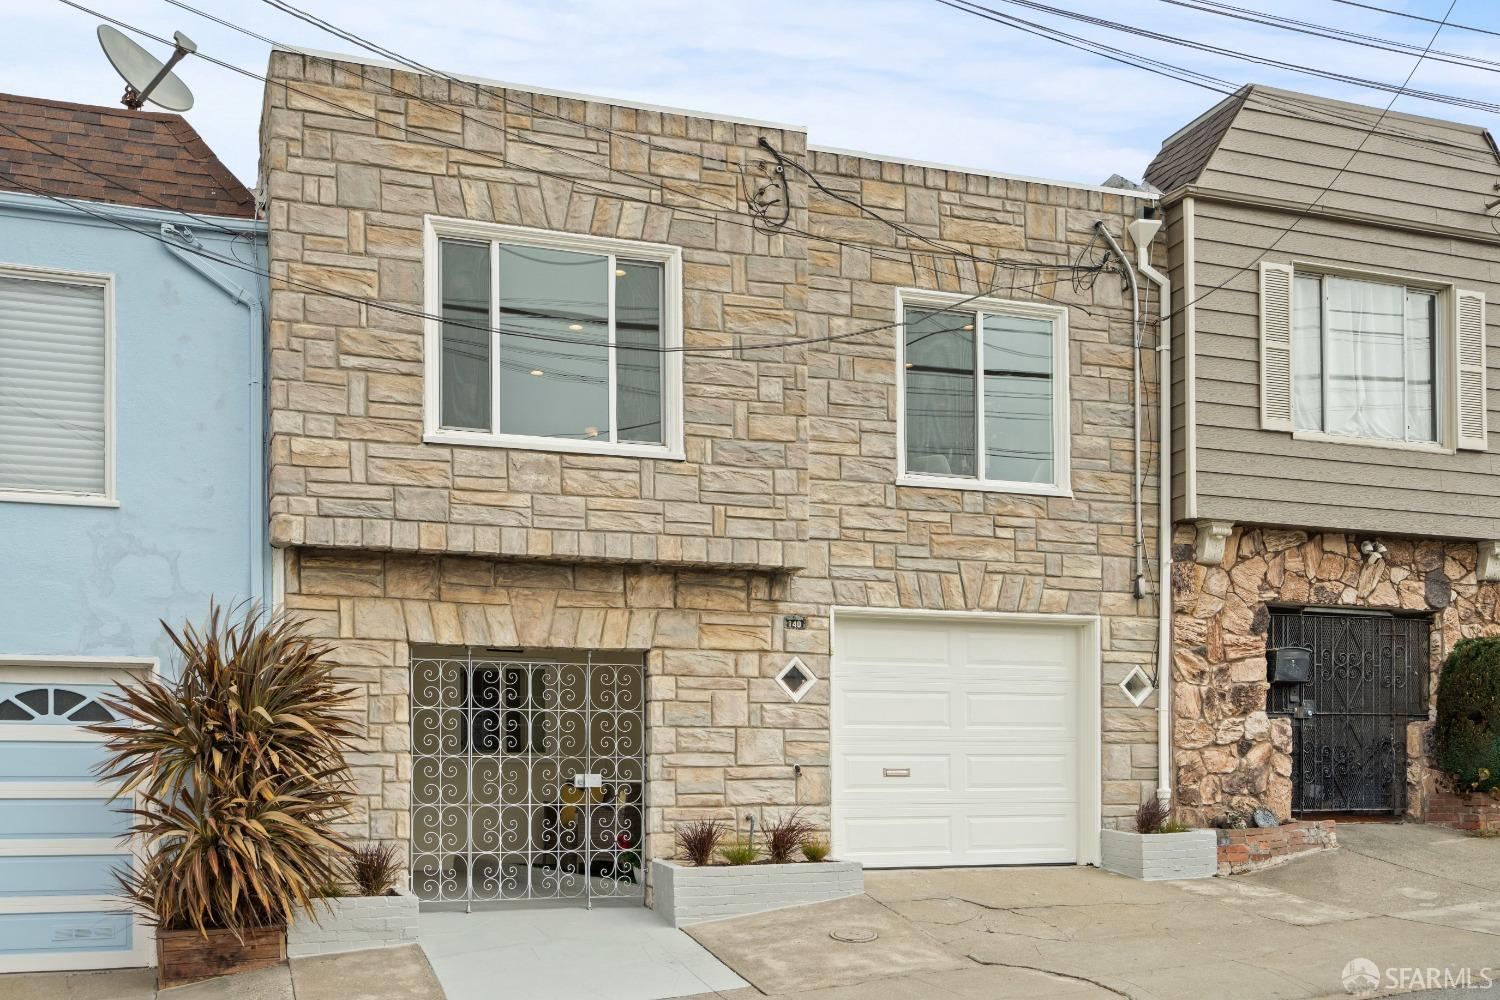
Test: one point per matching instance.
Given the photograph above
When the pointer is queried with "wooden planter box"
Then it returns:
(187, 957)
(352, 923)
(687, 894)
(1160, 856)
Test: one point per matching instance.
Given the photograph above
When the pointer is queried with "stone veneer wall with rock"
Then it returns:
(787, 502)
(1229, 754)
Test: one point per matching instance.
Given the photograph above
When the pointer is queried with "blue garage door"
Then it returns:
(60, 838)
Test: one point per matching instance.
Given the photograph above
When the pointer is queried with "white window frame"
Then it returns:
(107, 282)
(437, 228)
(1062, 475)
(1443, 403)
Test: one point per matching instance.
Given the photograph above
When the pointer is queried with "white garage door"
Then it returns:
(962, 741)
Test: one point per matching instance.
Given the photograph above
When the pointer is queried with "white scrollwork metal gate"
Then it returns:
(528, 778)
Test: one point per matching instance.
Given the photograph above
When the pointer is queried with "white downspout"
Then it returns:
(1142, 232)
(257, 455)
(1137, 485)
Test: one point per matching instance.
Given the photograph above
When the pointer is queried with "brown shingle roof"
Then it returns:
(1183, 156)
(139, 158)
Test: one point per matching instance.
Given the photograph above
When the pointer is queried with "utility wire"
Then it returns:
(1441, 98)
(721, 214)
(401, 310)
(1418, 17)
(1288, 104)
(1335, 34)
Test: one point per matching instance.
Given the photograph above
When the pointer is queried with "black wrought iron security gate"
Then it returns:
(1368, 680)
(528, 778)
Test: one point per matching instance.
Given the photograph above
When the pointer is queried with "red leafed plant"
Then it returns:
(698, 839)
(238, 775)
(785, 836)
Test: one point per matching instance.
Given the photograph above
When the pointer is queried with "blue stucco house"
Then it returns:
(132, 436)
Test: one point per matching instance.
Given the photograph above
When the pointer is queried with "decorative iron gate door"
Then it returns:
(528, 779)
(1369, 679)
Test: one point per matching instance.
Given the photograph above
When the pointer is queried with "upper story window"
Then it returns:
(1372, 360)
(552, 341)
(984, 402)
(1364, 359)
(55, 387)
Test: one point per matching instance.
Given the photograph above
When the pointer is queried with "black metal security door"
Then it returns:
(1369, 679)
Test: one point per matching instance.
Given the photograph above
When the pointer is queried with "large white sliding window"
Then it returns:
(553, 341)
(984, 400)
(56, 387)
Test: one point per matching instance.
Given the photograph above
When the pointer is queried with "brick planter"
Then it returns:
(352, 923)
(1476, 812)
(184, 957)
(1158, 856)
(1253, 849)
(687, 894)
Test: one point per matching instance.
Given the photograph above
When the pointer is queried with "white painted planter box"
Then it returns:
(1156, 856)
(687, 894)
(354, 923)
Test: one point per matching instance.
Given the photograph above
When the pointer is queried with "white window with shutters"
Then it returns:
(1371, 359)
(56, 387)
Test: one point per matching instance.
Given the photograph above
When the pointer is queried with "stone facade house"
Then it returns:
(1333, 494)
(630, 457)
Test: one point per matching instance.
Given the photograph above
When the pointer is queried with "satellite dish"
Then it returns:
(147, 78)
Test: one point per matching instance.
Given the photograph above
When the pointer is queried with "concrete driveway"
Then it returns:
(1400, 896)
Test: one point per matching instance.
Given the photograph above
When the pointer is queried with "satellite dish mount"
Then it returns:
(147, 78)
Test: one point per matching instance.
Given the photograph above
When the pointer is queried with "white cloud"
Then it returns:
(908, 78)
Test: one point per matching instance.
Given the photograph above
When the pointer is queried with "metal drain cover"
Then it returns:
(854, 935)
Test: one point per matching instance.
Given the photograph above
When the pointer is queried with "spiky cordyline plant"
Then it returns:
(238, 773)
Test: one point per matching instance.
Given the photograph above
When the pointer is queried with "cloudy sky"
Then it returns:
(909, 78)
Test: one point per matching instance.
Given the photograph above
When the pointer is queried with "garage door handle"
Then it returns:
(896, 772)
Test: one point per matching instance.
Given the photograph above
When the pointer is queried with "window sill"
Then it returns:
(59, 499)
(556, 445)
(1428, 447)
(982, 485)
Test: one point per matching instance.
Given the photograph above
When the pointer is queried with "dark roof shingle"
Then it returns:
(1183, 156)
(141, 158)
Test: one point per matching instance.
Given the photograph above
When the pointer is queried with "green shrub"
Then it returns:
(739, 853)
(1468, 715)
(815, 850)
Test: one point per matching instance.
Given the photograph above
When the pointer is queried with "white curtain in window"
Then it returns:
(52, 386)
(1307, 353)
(941, 435)
(1365, 351)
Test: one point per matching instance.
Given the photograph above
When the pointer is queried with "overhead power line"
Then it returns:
(1418, 17)
(1285, 104)
(1348, 78)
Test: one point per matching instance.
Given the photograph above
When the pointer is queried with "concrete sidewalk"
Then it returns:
(382, 974)
(1399, 896)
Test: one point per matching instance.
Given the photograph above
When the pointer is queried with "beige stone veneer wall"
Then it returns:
(347, 199)
(787, 502)
(1229, 754)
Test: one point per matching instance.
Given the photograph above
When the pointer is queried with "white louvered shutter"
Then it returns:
(52, 386)
(1275, 346)
(1469, 350)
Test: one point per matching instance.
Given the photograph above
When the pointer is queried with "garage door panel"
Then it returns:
(60, 875)
(881, 772)
(1035, 714)
(892, 645)
(49, 760)
(1025, 775)
(982, 717)
(87, 816)
(899, 839)
(24, 934)
(1024, 839)
(895, 708)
